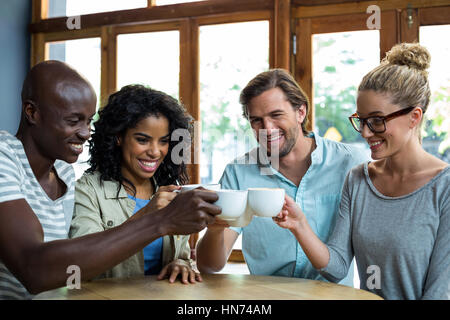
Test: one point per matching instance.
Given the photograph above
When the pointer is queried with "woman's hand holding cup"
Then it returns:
(291, 216)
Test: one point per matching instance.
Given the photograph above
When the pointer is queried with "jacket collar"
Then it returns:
(110, 189)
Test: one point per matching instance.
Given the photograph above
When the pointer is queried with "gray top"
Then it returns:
(401, 244)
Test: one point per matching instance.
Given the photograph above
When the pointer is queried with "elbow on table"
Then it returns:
(37, 277)
(208, 269)
(34, 282)
(208, 266)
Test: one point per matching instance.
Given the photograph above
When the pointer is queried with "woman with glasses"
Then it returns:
(394, 214)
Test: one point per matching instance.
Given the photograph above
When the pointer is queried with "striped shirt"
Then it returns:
(17, 181)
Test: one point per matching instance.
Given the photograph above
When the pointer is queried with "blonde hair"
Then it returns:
(402, 75)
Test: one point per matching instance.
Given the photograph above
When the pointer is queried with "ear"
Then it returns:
(118, 141)
(30, 111)
(415, 117)
(301, 113)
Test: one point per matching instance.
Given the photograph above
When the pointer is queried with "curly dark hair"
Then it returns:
(124, 110)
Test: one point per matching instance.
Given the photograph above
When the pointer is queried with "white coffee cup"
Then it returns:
(232, 202)
(212, 186)
(266, 202)
(243, 220)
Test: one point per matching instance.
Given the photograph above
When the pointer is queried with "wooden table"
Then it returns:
(213, 287)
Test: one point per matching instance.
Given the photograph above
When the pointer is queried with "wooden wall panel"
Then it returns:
(108, 81)
(282, 32)
(389, 34)
(190, 86)
(303, 69)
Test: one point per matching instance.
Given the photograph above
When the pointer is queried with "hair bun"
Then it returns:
(412, 55)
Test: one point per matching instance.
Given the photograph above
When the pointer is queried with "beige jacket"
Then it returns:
(98, 208)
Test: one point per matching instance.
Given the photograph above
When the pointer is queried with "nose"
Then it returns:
(366, 132)
(268, 124)
(153, 150)
(85, 132)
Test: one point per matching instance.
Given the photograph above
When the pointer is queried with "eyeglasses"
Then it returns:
(377, 124)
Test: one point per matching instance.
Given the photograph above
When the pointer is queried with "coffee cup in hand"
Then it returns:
(232, 202)
(266, 202)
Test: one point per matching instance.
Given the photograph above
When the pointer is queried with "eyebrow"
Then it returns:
(148, 137)
(270, 113)
(80, 115)
(372, 113)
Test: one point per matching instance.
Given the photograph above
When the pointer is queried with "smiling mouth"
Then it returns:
(148, 166)
(274, 138)
(77, 147)
(375, 145)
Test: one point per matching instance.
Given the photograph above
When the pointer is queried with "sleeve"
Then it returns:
(184, 251)
(437, 284)
(10, 179)
(86, 216)
(339, 244)
(229, 181)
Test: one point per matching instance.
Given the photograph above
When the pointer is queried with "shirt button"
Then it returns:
(110, 223)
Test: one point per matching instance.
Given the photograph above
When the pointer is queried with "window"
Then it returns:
(69, 8)
(340, 60)
(230, 56)
(84, 56)
(151, 59)
(436, 135)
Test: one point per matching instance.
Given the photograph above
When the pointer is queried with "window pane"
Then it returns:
(61, 8)
(84, 56)
(436, 137)
(230, 56)
(340, 62)
(151, 59)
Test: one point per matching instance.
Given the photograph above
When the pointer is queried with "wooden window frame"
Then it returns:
(342, 16)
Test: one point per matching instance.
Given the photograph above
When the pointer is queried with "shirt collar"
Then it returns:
(110, 189)
(317, 154)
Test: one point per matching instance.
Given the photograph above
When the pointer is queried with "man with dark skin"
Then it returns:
(57, 107)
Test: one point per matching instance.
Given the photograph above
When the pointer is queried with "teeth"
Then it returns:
(274, 138)
(372, 144)
(149, 164)
(77, 146)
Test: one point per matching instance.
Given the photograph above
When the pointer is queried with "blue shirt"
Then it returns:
(153, 251)
(271, 250)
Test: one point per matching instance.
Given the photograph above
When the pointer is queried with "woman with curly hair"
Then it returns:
(130, 168)
(394, 216)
